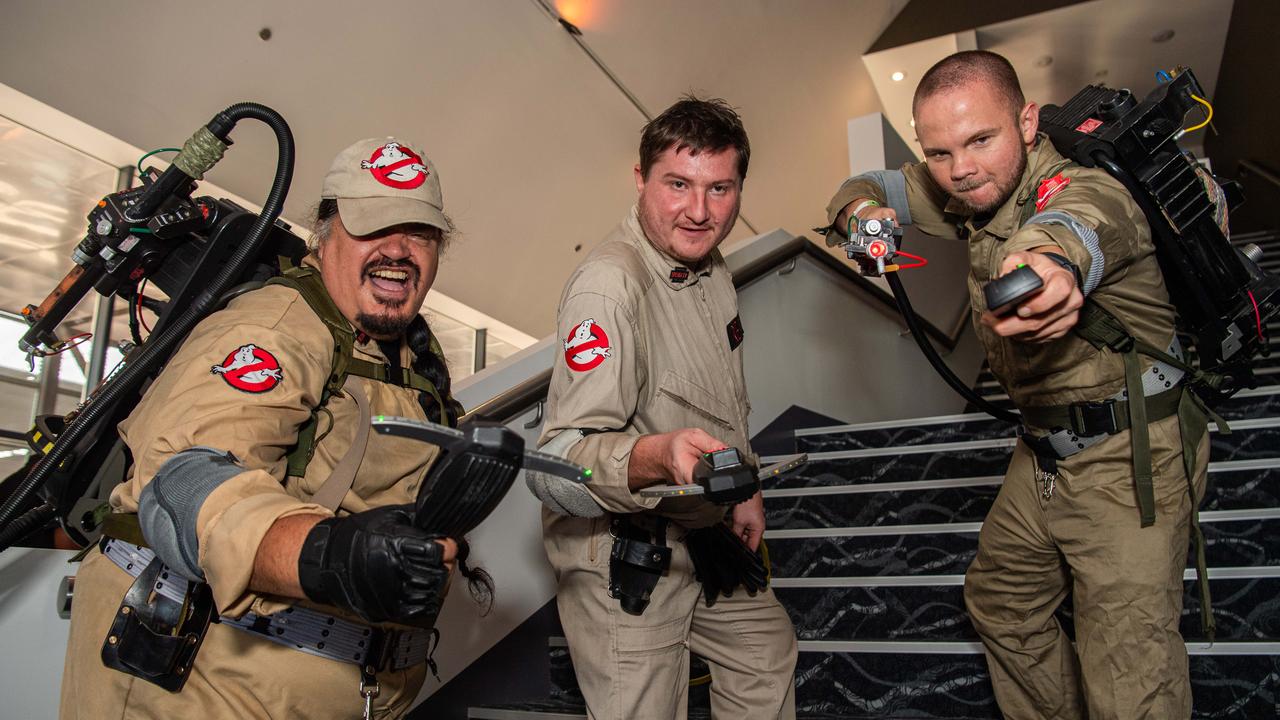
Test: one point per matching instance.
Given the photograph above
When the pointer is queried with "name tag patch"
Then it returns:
(734, 328)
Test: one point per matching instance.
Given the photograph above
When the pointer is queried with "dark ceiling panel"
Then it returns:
(924, 19)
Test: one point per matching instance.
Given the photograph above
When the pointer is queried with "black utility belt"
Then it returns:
(1079, 426)
(309, 631)
(640, 556)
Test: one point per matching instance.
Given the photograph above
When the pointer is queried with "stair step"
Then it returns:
(1232, 486)
(948, 549)
(932, 607)
(935, 683)
(831, 464)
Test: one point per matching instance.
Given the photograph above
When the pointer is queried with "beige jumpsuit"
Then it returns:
(237, 674)
(1130, 660)
(650, 346)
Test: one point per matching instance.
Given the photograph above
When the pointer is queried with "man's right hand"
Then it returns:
(668, 457)
(870, 212)
(378, 565)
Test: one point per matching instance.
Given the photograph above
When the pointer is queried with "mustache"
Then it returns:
(389, 264)
(968, 185)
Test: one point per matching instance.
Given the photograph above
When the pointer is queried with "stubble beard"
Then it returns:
(1005, 190)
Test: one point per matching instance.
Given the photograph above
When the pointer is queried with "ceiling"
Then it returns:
(533, 142)
(1117, 43)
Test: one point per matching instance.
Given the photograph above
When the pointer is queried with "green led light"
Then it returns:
(380, 418)
(1021, 265)
(587, 472)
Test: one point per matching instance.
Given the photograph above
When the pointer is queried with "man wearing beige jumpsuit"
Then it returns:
(990, 177)
(648, 377)
(209, 443)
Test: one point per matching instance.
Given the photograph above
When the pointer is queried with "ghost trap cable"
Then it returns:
(199, 154)
(913, 324)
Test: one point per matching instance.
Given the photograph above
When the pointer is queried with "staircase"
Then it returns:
(869, 544)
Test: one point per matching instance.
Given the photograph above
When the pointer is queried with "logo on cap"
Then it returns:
(396, 166)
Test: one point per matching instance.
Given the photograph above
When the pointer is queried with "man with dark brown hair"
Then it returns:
(650, 378)
(1088, 506)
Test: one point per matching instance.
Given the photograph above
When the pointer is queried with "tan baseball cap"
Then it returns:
(380, 182)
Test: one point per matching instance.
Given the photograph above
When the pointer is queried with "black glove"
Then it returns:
(722, 562)
(377, 565)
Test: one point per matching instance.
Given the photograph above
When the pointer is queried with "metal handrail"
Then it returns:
(509, 404)
(1262, 172)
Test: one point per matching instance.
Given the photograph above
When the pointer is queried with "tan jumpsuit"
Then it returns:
(1130, 660)
(661, 352)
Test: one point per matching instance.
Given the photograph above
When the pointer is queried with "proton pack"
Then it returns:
(1223, 298)
(201, 252)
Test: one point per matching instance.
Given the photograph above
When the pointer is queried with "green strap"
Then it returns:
(1139, 438)
(307, 281)
(1027, 201)
(1192, 424)
(124, 526)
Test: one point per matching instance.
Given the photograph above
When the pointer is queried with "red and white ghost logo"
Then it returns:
(397, 166)
(251, 369)
(1050, 187)
(586, 347)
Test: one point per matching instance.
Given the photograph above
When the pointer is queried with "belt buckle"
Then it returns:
(382, 649)
(1092, 418)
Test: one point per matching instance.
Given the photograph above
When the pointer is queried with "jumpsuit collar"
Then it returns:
(673, 273)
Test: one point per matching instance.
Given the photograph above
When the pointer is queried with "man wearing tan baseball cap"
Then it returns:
(259, 491)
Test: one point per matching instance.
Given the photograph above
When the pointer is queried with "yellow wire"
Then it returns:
(1207, 118)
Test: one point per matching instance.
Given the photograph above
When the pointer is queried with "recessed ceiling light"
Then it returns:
(1162, 36)
(1044, 61)
(897, 76)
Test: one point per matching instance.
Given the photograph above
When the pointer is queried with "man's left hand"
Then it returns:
(748, 520)
(1049, 314)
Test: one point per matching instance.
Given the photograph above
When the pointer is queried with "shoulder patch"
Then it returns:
(1050, 187)
(250, 369)
(587, 346)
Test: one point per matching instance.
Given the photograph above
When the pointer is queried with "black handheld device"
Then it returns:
(477, 465)
(1008, 291)
(725, 477)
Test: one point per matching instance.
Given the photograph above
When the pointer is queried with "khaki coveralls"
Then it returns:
(660, 353)
(1130, 660)
(237, 674)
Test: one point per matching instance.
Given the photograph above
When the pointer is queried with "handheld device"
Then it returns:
(1009, 291)
(725, 478)
(477, 466)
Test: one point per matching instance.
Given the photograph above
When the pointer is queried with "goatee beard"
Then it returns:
(384, 325)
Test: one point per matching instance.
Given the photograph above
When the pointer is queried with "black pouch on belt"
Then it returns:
(637, 561)
(722, 563)
(154, 637)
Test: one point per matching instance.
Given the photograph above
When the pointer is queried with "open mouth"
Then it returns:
(391, 281)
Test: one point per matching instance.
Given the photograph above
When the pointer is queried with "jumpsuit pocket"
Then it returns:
(650, 639)
(693, 398)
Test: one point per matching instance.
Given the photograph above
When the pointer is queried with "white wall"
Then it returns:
(817, 341)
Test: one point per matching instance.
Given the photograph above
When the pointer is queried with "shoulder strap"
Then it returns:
(307, 281)
(1027, 201)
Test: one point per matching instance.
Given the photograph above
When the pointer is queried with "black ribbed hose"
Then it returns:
(913, 324)
(158, 348)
